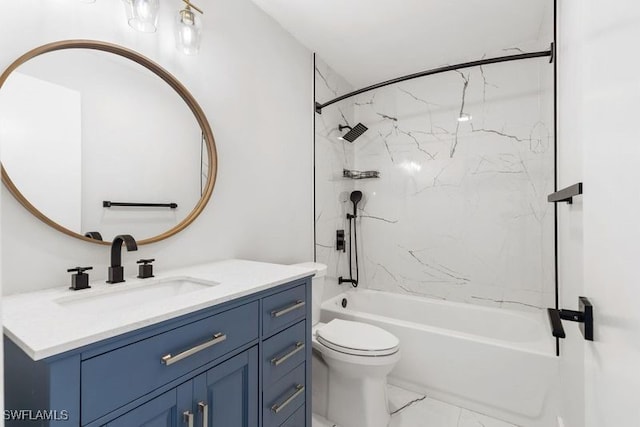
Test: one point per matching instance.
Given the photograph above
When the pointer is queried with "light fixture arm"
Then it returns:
(190, 5)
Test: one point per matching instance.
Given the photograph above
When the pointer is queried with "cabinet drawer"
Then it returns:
(283, 352)
(284, 397)
(120, 376)
(283, 308)
(298, 419)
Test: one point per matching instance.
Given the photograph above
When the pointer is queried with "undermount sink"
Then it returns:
(136, 293)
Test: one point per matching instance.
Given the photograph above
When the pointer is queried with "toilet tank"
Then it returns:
(317, 288)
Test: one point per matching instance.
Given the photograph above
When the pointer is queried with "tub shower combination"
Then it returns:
(452, 206)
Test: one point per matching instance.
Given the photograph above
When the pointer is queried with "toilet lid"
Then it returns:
(357, 338)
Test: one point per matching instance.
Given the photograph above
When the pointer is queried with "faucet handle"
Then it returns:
(80, 270)
(80, 280)
(145, 269)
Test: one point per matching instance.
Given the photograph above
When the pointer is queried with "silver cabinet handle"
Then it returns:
(188, 418)
(169, 359)
(280, 406)
(276, 361)
(204, 409)
(277, 313)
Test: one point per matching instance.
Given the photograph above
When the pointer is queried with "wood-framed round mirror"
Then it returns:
(96, 143)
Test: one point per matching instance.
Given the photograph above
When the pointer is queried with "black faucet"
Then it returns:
(116, 271)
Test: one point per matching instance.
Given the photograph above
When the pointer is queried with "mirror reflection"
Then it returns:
(82, 127)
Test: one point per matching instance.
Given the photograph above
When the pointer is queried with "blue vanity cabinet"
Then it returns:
(223, 396)
(166, 410)
(286, 357)
(227, 395)
(242, 363)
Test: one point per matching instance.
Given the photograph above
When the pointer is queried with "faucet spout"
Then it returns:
(116, 271)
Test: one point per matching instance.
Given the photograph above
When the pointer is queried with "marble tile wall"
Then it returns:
(466, 161)
(332, 155)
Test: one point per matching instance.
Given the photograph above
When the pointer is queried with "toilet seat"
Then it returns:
(357, 339)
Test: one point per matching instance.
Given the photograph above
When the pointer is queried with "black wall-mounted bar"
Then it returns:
(439, 70)
(584, 316)
(108, 204)
(566, 194)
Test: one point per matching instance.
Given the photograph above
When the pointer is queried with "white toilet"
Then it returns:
(359, 356)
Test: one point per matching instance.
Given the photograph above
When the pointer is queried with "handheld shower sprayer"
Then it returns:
(356, 196)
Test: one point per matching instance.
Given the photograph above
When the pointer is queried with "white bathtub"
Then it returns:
(494, 361)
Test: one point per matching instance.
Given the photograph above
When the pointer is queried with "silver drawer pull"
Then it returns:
(280, 406)
(277, 313)
(204, 408)
(188, 418)
(276, 361)
(169, 359)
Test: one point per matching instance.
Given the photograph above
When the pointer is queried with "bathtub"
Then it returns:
(495, 361)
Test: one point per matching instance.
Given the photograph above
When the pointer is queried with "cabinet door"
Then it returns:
(170, 409)
(227, 395)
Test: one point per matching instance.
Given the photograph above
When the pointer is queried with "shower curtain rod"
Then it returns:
(439, 70)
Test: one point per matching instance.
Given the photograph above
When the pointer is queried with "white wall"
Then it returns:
(254, 82)
(611, 94)
(599, 94)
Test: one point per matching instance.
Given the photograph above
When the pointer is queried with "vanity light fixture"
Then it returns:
(142, 15)
(188, 29)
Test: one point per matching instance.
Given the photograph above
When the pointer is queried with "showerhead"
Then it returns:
(356, 196)
(354, 132)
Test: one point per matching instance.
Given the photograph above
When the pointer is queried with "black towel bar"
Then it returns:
(108, 204)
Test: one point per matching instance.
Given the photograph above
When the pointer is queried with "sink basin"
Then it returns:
(138, 293)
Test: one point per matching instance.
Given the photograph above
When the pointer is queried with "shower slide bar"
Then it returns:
(108, 204)
(439, 70)
(566, 194)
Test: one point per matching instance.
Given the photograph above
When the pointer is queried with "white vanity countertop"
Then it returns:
(41, 327)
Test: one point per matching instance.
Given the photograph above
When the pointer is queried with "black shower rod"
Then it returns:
(439, 70)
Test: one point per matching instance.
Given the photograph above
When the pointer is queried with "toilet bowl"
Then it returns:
(359, 357)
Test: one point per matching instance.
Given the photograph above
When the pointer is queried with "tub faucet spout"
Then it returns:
(116, 271)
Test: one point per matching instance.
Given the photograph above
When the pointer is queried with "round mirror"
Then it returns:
(98, 140)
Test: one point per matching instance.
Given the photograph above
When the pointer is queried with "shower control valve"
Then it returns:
(340, 241)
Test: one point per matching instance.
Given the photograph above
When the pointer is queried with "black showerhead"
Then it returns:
(354, 132)
(356, 196)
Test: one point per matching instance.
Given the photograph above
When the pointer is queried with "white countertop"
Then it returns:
(42, 327)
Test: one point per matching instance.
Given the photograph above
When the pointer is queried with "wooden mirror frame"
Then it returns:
(171, 81)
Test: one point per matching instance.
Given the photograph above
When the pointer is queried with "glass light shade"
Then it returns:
(142, 15)
(188, 32)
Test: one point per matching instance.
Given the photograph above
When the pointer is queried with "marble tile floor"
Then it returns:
(410, 409)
